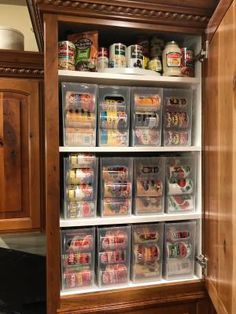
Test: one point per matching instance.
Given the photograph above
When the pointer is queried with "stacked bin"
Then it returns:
(113, 116)
(147, 243)
(80, 190)
(146, 116)
(113, 255)
(177, 117)
(179, 249)
(180, 184)
(149, 185)
(79, 114)
(78, 247)
(116, 186)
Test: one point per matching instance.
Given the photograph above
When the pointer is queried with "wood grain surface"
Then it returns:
(220, 165)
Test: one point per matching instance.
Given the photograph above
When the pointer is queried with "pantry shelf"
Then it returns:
(98, 221)
(137, 149)
(127, 285)
(127, 79)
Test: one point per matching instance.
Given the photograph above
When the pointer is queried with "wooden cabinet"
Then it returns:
(20, 203)
(217, 147)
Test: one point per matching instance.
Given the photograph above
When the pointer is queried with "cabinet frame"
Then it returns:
(193, 289)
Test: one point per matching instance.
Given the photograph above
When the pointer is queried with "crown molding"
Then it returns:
(190, 14)
(21, 64)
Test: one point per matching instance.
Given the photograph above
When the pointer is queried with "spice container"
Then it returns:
(155, 65)
(171, 58)
(102, 59)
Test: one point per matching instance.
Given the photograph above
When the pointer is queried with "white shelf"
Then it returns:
(75, 149)
(98, 221)
(127, 285)
(126, 79)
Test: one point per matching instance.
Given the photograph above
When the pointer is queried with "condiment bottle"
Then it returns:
(171, 58)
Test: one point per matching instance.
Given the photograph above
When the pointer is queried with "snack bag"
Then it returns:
(86, 45)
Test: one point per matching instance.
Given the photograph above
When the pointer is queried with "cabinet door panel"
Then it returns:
(220, 165)
(19, 155)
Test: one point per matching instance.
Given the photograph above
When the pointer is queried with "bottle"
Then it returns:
(171, 58)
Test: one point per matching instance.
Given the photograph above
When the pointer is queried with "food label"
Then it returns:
(173, 59)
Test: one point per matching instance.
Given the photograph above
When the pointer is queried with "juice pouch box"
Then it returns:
(86, 45)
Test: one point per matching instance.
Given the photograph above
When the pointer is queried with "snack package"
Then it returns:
(86, 45)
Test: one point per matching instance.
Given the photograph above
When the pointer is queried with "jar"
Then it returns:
(102, 59)
(155, 65)
(171, 58)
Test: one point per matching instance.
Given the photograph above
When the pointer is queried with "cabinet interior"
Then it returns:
(128, 35)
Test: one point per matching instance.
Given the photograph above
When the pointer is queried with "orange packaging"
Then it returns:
(86, 55)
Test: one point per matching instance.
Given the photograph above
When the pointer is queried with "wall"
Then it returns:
(17, 16)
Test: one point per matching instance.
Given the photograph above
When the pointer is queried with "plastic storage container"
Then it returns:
(77, 262)
(177, 117)
(149, 182)
(147, 244)
(146, 116)
(79, 114)
(113, 116)
(113, 255)
(179, 249)
(116, 186)
(80, 186)
(180, 184)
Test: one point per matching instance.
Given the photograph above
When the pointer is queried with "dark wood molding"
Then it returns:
(21, 64)
(135, 299)
(174, 14)
(217, 17)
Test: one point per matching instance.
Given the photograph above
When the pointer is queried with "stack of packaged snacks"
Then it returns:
(79, 114)
(113, 255)
(80, 188)
(77, 263)
(179, 249)
(177, 117)
(149, 185)
(180, 184)
(116, 186)
(113, 116)
(147, 242)
(146, 116)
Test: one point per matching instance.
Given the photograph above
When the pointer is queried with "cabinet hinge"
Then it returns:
(202, 260)
(203, 54)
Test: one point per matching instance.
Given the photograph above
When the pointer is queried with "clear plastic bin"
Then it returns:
(147, 245)
(113, 116)
(80, 186)
(77, 258)
(177, 117)
(180, 184)
(113, 255)
(149, 185)
(180, 242)
(79, 112)
(116, 186)
(146, 116)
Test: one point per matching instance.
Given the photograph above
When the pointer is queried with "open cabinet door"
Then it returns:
(220, 162)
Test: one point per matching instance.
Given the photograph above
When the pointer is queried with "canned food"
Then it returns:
(187, 62)
(135, 56)
(66, 55)
(117, 54)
